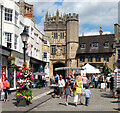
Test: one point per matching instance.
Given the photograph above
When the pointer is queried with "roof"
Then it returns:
(101, 39)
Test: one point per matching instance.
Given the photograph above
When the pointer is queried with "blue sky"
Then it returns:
(92, 13)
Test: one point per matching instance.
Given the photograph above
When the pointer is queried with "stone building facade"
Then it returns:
(96, 50)
(63, 33)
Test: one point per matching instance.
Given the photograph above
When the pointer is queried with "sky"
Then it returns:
(93, 14)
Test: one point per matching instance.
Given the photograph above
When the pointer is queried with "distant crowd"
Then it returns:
(80, 86)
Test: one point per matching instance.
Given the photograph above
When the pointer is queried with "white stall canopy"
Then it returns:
(89, 69)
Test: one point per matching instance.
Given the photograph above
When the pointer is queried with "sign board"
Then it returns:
(103, 85)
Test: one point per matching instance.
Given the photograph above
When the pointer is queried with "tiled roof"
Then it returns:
(101, 39)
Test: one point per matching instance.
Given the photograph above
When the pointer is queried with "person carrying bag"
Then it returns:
(5, 88)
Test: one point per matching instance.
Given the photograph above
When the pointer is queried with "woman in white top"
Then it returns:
(61, 84)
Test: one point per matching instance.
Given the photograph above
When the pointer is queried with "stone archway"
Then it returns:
(57, 65)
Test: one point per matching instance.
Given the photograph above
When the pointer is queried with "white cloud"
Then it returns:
(93, 12)
(93, 33)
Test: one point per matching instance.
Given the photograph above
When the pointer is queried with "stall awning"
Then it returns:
(68, 68)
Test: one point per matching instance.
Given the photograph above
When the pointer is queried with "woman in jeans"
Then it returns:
(5, 89)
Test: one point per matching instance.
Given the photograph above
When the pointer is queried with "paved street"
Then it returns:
(40, 96)
(100, 101)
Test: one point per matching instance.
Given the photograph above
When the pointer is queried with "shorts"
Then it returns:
(67, 97)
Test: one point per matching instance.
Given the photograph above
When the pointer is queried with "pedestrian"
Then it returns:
(44, 80)
(5, 88)
(78, 90)
(67, 92)
(112, 88)
(100, 79)
(56, 78)
(72, 81)
(87, 94)
(96, 80)
(84, 80)
(52, 80)
(93, 80)
(107, 80)
(61, 84)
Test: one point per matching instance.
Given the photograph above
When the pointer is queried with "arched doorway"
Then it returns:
(57, 65)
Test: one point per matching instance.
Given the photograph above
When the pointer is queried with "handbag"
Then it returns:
(74, 86)
(7, 86)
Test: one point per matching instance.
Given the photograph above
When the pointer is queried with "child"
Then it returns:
(87, 94)
(67, 91)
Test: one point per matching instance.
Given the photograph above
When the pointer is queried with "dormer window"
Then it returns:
(106, 45)
(83, 46)
(94, 44)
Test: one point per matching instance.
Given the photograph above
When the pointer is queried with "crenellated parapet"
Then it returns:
(73, 16)
(58, 21)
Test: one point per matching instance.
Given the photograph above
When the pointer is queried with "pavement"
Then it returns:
(99, 101)
(42, 101)
(40, 95)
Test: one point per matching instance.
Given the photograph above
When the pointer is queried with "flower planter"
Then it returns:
(21, 103)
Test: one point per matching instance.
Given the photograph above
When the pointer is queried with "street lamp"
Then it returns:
(70, 62)
(24, 37)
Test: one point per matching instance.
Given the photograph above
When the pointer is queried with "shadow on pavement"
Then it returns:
(71, 103)
(62, 104)
(105, 95)
(115, 101)
(118, 109)
(15, 103)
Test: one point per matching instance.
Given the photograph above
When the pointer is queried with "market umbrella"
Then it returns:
(36, 73)
(68, 68)
(42, 73)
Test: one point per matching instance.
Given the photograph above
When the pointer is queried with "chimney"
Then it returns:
(100, 31)
(82, 33)
(116, 29)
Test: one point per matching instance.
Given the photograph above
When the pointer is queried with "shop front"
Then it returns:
(37, 65)
(18, 62)
(6, 52)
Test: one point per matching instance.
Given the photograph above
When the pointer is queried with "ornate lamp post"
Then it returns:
(24, 37)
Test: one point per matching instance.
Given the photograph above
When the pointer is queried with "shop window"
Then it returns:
(106, 58)
(82, 59)
(98, 59)
(90, 59)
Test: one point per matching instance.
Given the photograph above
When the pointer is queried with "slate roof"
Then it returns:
(101, 39)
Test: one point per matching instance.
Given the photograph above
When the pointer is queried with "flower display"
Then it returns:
(24, 80)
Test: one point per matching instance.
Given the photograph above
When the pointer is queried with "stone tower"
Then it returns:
(63, 33)
(72, 38)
